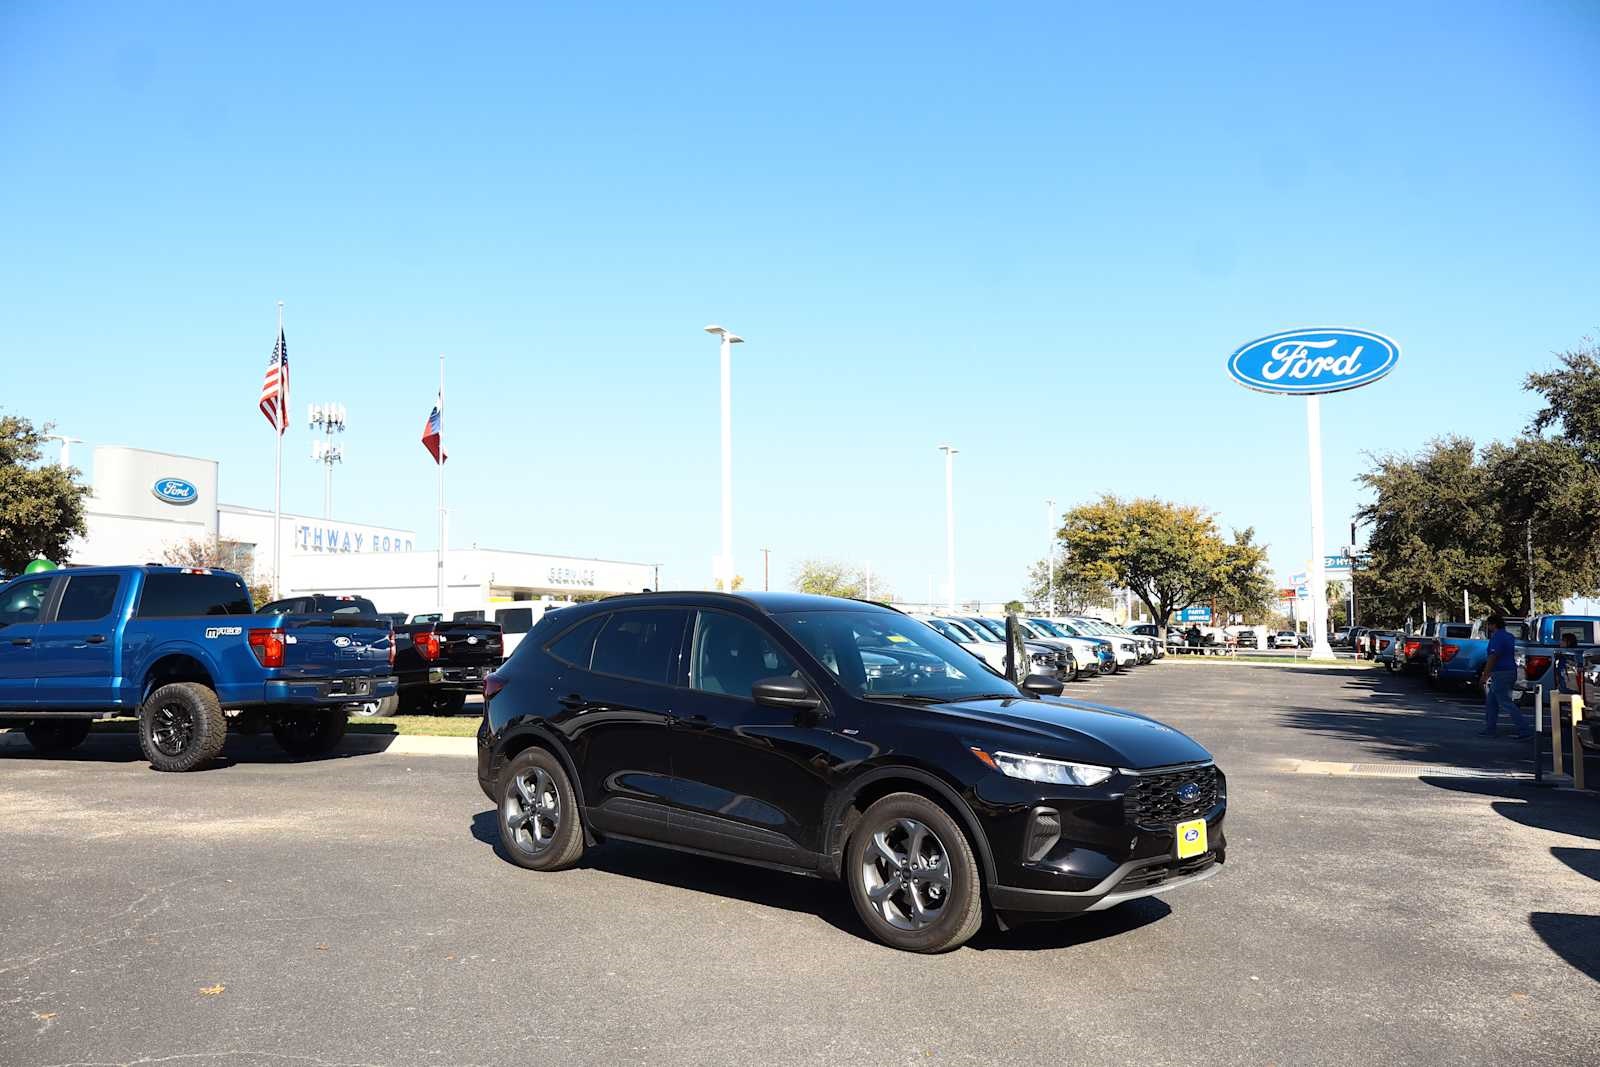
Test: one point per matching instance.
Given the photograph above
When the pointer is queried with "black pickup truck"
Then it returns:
(438, 663)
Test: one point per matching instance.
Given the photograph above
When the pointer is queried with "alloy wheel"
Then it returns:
(172, 730)
(906, 874)
(533, 810)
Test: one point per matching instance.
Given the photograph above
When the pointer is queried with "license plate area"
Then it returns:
(1190, 839)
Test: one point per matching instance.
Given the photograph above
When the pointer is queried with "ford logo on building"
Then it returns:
(175, 491)
(1326, 359)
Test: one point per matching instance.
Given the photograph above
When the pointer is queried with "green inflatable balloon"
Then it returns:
(39, 566)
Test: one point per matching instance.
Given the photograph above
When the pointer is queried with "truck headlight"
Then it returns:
(1039, 769)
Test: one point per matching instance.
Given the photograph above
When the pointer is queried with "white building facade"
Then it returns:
(145, 504)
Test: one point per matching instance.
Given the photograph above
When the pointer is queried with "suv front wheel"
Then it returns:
(912, 875)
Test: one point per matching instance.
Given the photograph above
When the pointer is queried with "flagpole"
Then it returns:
(440, 465)
(277, 471)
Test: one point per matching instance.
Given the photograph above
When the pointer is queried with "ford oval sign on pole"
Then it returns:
(1310, 362)
(1304, 362)
(175, 491)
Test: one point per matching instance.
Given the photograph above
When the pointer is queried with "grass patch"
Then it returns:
(427, 725)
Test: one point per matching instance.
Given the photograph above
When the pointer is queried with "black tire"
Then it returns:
(540, 824)
(1395, 666)
(883, 859)
(450, 703)
(313, 732)
(181, 727)
(50, 737)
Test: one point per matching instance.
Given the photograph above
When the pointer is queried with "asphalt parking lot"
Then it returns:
(1377, 907)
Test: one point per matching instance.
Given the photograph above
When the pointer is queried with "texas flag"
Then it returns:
(430, 433)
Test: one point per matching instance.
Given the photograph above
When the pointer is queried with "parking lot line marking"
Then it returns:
(1394, 770)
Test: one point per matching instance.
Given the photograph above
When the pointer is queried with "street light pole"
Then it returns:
(766, 569)
(724, 566)
(949, 527)
(1050, 550)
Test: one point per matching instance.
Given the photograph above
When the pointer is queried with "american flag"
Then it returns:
(431, 432)
(275, 387)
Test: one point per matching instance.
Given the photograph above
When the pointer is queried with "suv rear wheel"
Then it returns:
(312, 732)
(539, 821)
(912, 875)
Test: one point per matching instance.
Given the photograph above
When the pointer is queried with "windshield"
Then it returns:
(1048, 628)
(986, 629)
(882, 655)
(953, 630)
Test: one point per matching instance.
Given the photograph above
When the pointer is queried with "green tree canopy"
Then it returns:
(826, 577)
(41, 507)
(1168, 555)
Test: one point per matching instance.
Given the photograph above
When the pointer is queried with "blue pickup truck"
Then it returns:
(183, 649)
(1458, 652)
(1554, 641)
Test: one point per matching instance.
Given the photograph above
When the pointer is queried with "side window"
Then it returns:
(24, 601)
(1582, 632)
(514, 620)
(174, 595)
(641, 644)
(88, 597)
(576, 646)
(729, 655)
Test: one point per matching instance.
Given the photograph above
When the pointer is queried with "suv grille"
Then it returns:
(1152, 800)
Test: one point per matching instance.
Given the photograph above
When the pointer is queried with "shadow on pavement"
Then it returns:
(1586, 861)
(120, 744)
(1575, 938)
(828, 901)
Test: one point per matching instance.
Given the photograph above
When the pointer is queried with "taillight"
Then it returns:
(268, 647)
(1411, 648)
(427, 645)
(1536, 666)
(1448, 652)
(492, 685)
(391, 648)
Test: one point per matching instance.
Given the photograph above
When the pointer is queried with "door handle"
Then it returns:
(571, 701)
(22, 642)
(96, 639)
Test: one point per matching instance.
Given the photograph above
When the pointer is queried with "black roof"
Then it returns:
(768, 603)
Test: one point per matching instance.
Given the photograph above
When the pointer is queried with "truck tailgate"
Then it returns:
(464, 644)
(323, 645)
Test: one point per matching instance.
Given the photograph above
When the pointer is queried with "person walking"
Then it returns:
(1499, 673)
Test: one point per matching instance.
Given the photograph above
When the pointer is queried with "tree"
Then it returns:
(1168, 555)
(41, 507)
(1571, 400)
(738, 582)
(1075, 591)
(826, 577)
(1014, 607)
(222, 555)
(1454, 517)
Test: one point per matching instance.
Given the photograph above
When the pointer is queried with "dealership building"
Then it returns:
(144, 505)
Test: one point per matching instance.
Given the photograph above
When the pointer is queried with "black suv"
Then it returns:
(844, 740)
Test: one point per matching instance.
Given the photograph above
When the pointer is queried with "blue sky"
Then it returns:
(1036, 232)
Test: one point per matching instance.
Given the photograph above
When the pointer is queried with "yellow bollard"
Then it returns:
(1576, 704)
(1555, 733)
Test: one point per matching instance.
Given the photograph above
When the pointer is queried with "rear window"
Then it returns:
(515, 620)
(88, 597)
(576, 646)
(179, 596)
(344, 605)
(467, 616)
(642, 645)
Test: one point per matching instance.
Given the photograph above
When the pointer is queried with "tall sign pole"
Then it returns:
(949, 527)
(277, 471)
(1319, 575)
(1309, 363)
(443, 529)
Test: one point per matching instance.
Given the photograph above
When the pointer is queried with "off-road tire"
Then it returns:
(555, 807)
(313, 732)
(51, 737)
(961, 913)
(181, 727)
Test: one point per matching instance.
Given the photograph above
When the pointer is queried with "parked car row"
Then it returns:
(1067, 648)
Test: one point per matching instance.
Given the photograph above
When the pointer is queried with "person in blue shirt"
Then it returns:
(1499, 673)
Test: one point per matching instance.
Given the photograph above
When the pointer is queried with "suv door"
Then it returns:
(617, 693)
(75, 648)
(750, 781)
(22, 605)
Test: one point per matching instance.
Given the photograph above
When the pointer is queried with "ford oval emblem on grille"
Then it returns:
(1188, 793)
(344, 642)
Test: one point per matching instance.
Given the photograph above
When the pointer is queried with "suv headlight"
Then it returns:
(1039, 769)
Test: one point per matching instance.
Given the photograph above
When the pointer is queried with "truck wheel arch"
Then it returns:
(174, 667)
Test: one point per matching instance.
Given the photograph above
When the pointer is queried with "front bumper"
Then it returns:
(1090, 849)
(345, 690)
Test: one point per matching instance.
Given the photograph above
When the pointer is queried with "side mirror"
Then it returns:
(1042, 685)
(784, 691)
